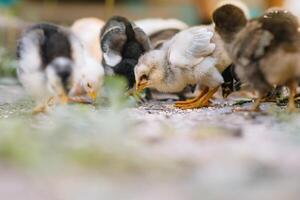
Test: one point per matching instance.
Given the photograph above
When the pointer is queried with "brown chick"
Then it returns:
(265, 50)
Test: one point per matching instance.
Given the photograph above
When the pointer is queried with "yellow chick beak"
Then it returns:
(141, 85)
(92, 95)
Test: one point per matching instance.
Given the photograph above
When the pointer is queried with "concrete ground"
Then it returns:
(153, 151)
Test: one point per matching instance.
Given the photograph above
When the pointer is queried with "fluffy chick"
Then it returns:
(265, 50)
(45, 64)
(193, 56)
(122, 44)
(53, 63)
(89, 74)
(88, 79)
(159, 31)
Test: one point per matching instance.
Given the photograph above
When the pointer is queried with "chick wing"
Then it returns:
(142, 38)
(189, 47)
(113, 37)
(251, 43)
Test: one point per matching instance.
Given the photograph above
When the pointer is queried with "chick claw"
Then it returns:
(39, 109)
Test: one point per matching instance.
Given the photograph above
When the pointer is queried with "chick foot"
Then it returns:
(200, 103)
(80, 100)
(193, 100)
(39, 109)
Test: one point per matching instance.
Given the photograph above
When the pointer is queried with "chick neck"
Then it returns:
(228, 36)
(174, 79)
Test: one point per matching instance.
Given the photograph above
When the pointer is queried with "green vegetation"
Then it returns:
(75, 135)
(90, 136)
(8, 64)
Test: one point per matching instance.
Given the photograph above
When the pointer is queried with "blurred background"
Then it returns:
(17, 14)
(14, 14)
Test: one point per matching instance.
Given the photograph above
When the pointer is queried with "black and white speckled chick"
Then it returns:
(265, 50)
(45, 63)
(122, 44)
(53, 64)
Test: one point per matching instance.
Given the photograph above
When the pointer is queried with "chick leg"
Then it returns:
(201, 94)
(80, 100)
(202, 102)
(208, 96)
(40, 108)
(44, 106)
(293, 91)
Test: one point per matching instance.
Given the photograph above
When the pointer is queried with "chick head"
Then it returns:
(150, 70)
(229, 19)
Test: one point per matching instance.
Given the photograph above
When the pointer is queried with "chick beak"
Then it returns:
(92, 95)
(141, 85)
(63, 99)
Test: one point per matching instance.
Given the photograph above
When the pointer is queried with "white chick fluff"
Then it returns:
(88, 31)
(193, 56)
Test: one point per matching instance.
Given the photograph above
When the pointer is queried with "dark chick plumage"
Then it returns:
(122, 44)
(265, 50)
(158, 38)
(231, 81)
(53, 43)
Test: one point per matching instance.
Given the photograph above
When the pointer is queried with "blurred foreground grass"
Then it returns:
(8, 64)
(70, 136)
(86, 136)
(113, 151)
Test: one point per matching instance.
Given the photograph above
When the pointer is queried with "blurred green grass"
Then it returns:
(88, 136)
(8, 64)
(72, 136)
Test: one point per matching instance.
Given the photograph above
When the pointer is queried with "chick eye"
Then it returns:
(144, 77)
(89, 85)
